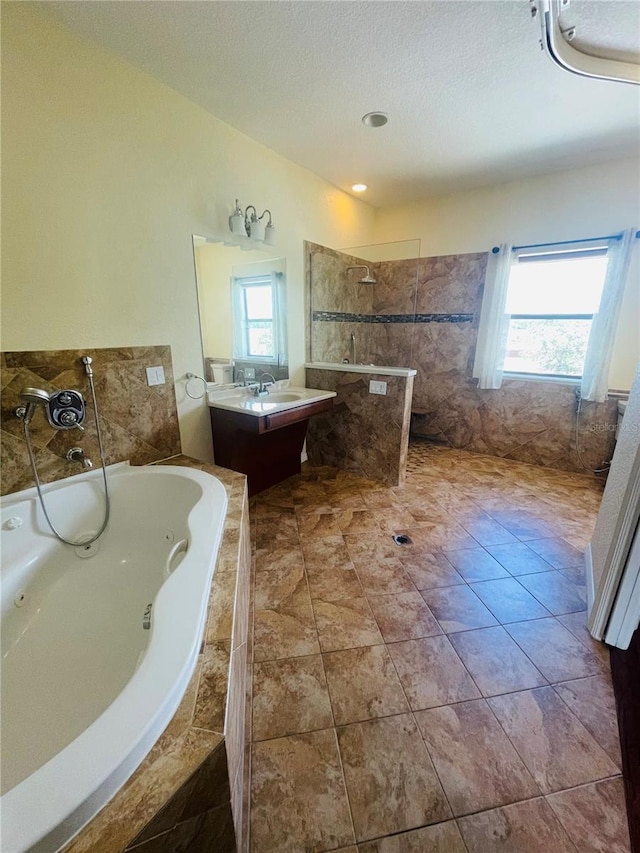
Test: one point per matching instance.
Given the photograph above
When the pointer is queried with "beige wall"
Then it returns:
(106, 175)
(588, 202)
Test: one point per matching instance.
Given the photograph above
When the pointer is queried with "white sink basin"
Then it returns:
(282, 397)
(241, 400)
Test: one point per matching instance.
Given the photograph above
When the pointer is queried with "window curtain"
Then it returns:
(279, 290)
(494, 321)
(595, 374)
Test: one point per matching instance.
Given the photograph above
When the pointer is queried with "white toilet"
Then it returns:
(219, 371)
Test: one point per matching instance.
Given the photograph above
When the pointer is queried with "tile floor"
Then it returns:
(441, 696)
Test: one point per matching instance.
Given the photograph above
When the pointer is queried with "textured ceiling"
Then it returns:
(471, 98)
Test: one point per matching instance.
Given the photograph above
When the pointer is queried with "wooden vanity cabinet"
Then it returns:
(266, 448)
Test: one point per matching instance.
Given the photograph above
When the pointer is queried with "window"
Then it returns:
(551, 311)
(552, 296)
(257, 329)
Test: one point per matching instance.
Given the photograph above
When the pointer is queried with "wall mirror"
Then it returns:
(242, 303)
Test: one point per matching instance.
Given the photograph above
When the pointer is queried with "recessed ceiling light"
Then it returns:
(375, 119)
(359, 188)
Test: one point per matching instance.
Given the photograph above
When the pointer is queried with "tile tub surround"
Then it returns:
(426, 733)
(365, 433)
(139, 422)
(191, 790)
(424, 314)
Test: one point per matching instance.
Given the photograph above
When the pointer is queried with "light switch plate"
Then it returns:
(377, 387)
(155, 375)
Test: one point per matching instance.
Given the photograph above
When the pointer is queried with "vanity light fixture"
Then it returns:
(359, 188)
(244, 225)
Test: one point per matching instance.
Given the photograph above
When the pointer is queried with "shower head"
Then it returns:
(368, 278)
(33, 397)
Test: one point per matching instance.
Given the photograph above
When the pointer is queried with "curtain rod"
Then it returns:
(496, 249)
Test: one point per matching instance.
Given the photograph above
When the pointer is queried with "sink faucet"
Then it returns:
(353, 348)
(262, 387)
(239, 371)
(76, 454)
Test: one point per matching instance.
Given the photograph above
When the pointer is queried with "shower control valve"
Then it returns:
(66, 410)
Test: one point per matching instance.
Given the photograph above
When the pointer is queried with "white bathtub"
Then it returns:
(86, 689)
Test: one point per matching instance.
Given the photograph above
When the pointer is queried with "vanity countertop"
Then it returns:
(278, 399)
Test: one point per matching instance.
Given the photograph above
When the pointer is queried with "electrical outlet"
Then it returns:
(155, 376)
(249, 373)
(377, 387)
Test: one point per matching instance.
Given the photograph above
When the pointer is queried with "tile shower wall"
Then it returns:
(424, 314)
(138, 422)
(340, 301)
(366, 434)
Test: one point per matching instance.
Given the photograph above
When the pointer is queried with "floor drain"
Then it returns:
(401, 539)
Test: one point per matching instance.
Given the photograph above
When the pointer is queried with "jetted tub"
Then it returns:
(86, 688)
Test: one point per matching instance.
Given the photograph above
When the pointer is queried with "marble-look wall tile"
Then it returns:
(331, 341)
(207, 788)
(243, 588)
(395, 289)
(335, 289)
(526, 421)
(235, 730)
(365, 433)
(451, 284)
(138, 422)
(389, 344)
(529, 421)
(142, 797)
(212, 830)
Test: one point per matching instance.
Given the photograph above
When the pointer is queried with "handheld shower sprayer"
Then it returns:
(33, 397)
(65, 410)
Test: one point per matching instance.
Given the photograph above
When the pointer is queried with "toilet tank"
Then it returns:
(219, 370)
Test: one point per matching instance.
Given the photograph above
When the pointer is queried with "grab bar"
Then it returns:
(179, 549)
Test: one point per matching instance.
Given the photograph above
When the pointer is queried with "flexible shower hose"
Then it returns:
(107, 512)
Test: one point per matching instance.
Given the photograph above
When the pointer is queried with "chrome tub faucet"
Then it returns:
(76, 454)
